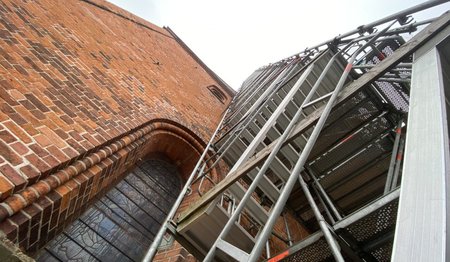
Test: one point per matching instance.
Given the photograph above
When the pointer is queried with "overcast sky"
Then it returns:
(235, 37)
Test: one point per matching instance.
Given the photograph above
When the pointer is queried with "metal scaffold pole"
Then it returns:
(337, 117)
(159, 236)
(250, 190)
(299, 166)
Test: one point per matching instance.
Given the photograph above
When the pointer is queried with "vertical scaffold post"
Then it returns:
(151, 252)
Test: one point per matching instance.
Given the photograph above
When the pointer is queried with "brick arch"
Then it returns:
(65, 194)
(176, 142)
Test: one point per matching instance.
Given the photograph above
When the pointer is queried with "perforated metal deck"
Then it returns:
(369, 230)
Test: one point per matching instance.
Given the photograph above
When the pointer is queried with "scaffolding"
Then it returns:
(342, 135)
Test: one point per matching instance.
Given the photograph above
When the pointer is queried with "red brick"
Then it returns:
(62, 104)
(58, 154)
(31, 173)
(54, 138)
(7, 137)
(70, 152)
(29, 128)
(16, 94)
(6, 188)
(5, 95)
(27, 104)
(16, 117)
(46, 205)
(43, 140)
(51, 161)
(37, 114)
(9, 155)
(9, 229)
(20, 148)
(61, 133)
(23, 223)
(3, 116)
(26, 114)
(76, 136)
(17, 180)
(64, 193)
(38, 163)
(33, 99)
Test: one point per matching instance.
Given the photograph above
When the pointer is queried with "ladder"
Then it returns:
(294, 142)
(262, 237)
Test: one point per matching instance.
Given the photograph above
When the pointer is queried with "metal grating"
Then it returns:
(352, 143)
(362, 158)
(376, 223)
(383, 253)
(372, 232)
(316, 252)
(353, 113)
(395, 94)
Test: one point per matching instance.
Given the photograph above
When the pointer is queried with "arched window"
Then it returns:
(121, 225)
(216, 92)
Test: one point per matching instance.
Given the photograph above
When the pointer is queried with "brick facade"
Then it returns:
(86, 90)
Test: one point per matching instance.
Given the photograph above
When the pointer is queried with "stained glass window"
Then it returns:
(122, 224)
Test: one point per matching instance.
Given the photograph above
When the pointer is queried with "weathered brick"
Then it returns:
(42, 166)
(27, 104)
(7, 137)
(58, 104)
(10, 230)
(29, 128)
(70, 152)
(52, 136)
(20, 148)
(5, 95)
(22, 222)
(61, 133)
(31, 173)
(35, 214)
(16, 95)
(43, 140)
(64, 193)
(9, 154)
(6, 187)
(33, 99)
(38, 150)
(51, 161)
(26, 114)
(16, 117)
(58, 154)
(10, 173)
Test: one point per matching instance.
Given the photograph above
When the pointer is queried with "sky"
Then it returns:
(235, 37)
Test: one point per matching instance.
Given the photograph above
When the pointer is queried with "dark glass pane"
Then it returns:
(153, 194)
(130, 218)
(152, 209)
(48, 257)
(93, 242)
(152, 183)
(67, 250)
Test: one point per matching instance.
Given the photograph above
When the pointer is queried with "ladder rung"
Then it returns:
(317, 100)
(269, 189)
(232, 251)
(256, 210)
(289, 152)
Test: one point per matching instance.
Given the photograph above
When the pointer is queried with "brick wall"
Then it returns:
(86, 90)
(176, 253)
